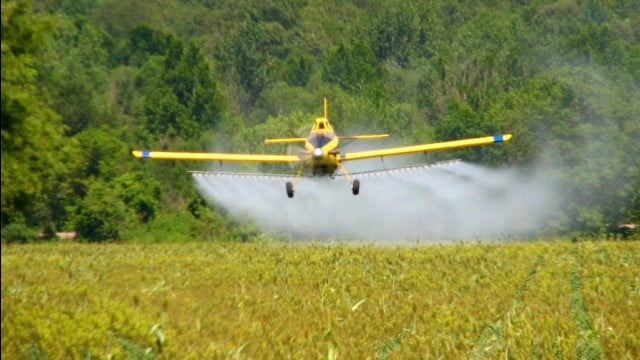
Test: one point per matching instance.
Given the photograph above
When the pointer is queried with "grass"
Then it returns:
(206, 300)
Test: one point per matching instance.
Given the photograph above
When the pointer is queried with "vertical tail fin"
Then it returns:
(326, 116)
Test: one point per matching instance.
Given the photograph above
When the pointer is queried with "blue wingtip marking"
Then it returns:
(497, 139)
(146, 154)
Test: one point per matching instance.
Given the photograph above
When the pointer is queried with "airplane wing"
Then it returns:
(364, 137)
(358, 155)
(285, 141)
(166, 155)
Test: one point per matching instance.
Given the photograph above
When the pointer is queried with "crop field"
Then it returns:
(312, 301)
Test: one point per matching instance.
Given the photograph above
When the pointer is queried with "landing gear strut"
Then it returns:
(355, 184)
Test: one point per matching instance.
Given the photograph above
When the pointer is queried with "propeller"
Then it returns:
(297, 149)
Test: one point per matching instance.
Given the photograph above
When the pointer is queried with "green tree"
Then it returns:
(250, 58)
(75, 74)
(487, 56)
(119, 17)
(297, 71)
(102, 214)
(596, 43)
(101, 154)
(32, 133)
(460, 122)
(140, 193)
(71, 7)
(356, 70)
(397, 34)
(144, 42)
(181, 97)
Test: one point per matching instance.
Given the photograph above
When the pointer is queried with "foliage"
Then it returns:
(140, 193)
(355, 69)
(101, 215)
(18, 233)
(83, 82)
(397, 33)
(180, 97)
(31, 130)
(74, 71)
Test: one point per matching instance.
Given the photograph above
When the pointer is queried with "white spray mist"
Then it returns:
(457, 201)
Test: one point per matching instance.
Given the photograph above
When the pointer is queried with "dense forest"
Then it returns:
(86, 81)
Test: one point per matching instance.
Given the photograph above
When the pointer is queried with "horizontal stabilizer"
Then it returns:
(364, 137)
(285, 141)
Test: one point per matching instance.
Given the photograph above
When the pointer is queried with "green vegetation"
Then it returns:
(84, 82)
(213, 300)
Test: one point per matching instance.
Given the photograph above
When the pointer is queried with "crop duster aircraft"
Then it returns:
(321, 155)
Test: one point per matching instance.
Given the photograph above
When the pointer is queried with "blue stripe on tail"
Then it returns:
(498, 139)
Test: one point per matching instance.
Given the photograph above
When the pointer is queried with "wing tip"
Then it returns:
(141, 154)
(502, 138)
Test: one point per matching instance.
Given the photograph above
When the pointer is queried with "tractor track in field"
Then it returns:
(492, 340)
(588, 345)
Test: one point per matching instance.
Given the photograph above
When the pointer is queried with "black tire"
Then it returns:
(355, 188)
(289, 187)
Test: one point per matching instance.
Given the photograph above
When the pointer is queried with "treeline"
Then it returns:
(84, 82)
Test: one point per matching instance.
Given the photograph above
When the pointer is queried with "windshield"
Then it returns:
(319, 140)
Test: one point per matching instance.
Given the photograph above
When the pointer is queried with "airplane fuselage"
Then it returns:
(321, 149)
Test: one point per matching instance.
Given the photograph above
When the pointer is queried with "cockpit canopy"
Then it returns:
(322, 124)
(322, 133)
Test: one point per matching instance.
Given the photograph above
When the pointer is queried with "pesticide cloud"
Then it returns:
(445, 202)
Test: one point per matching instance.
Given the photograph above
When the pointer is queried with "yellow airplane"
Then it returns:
(321, 155)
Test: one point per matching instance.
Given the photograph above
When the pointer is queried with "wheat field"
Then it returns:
(521, 300)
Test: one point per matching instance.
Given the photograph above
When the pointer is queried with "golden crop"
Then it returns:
(305, 301)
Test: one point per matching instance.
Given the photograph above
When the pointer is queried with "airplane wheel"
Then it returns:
(356, 187)
(289, 187)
